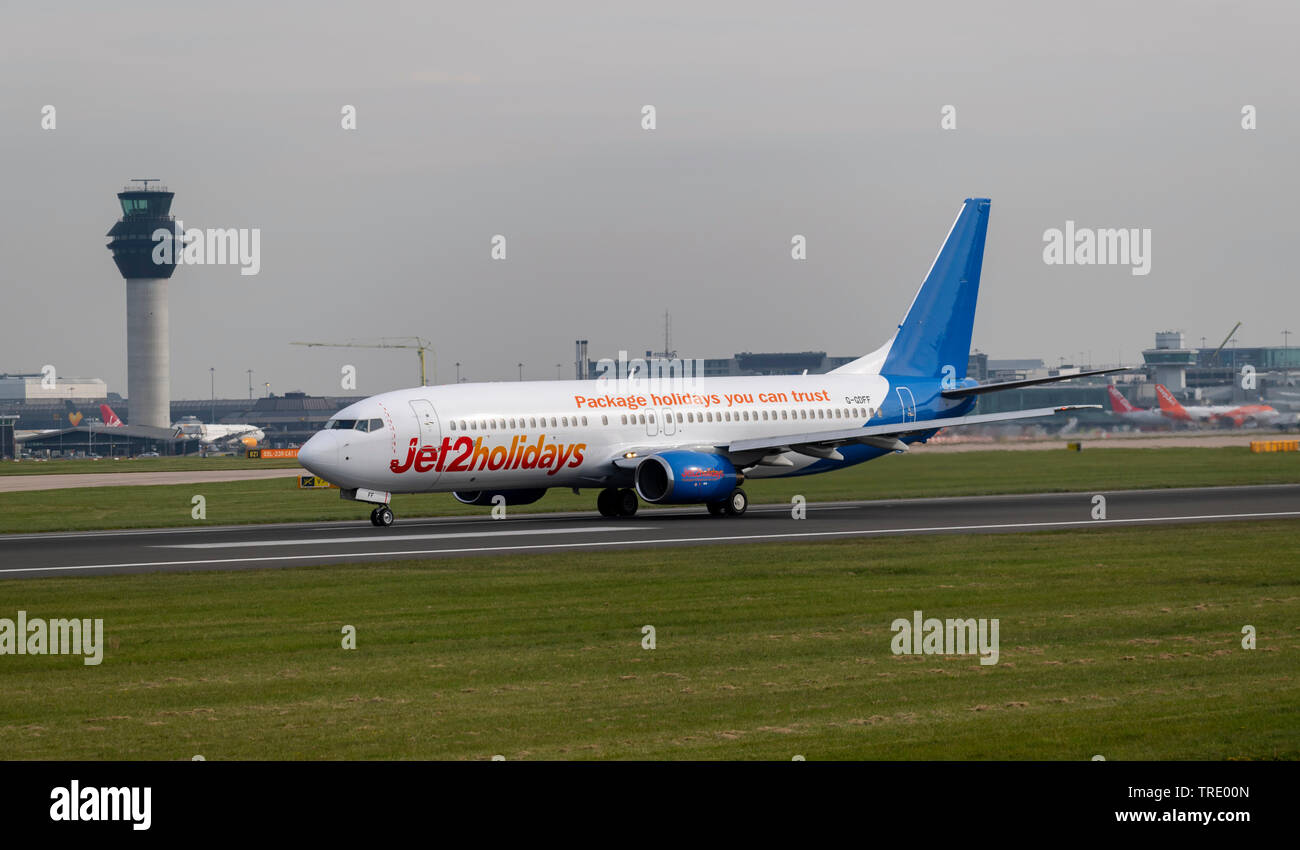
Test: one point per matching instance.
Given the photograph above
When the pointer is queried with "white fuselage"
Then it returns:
(503, 436)
(209, 434)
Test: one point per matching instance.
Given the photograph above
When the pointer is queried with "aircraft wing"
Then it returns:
(884, 436)
(823, 443)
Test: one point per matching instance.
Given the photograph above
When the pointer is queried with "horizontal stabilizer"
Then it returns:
(1029, 382)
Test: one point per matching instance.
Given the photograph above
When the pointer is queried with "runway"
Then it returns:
(301, 544)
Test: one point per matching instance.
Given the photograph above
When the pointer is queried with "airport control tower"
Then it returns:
(145, 209)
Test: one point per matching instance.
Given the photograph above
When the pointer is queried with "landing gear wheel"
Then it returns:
(717, 508)
(736, 503)
(607, 502)
(627, 503)
(381, 517)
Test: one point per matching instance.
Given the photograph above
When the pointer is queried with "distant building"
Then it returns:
(33, 388)
(744, 363)
(1014, 370)
(7, 436)
(1169, 360)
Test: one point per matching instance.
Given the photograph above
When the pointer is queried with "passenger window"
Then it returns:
(564, 420)
(604, 420)
(652, 418)
(553, 425)
(584, 421)
(624, 418)
(512, 423)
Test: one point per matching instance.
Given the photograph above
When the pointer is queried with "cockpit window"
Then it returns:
(343, 423)
(375, 425)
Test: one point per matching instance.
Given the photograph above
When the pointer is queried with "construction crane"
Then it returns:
(1214, 358)
(420, 346)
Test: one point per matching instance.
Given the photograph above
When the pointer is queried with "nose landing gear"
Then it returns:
(381, 517)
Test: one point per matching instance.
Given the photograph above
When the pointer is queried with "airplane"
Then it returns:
(1224, 415)
(209, 435)
(668, 441)
(1126, 410)
(219, 435)
(75, 416)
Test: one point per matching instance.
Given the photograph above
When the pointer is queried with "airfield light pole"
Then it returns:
(212, 383)
(458, 371)
(1286, 358)
(250, 384)
(521, 371)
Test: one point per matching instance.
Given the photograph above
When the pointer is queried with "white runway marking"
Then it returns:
(398, 538)
(737, 537)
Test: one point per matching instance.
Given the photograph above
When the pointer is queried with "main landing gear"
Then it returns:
(381, 517)
(623, 503)
(614, 503)
(734, 505)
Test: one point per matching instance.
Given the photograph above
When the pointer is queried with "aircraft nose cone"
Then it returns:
(320, 456)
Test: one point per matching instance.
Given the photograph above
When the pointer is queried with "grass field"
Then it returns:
(896, 476)
(1124, 643)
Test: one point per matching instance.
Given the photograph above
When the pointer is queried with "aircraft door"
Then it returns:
(430, 434)
(908, 403)
(651, 427)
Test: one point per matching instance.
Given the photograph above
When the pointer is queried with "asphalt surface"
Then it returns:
(299, 544)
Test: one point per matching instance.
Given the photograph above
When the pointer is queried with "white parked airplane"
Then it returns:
(675, 442)
(219, 435)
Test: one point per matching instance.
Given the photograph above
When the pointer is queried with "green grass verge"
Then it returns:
(896, 476)
(1124, 643)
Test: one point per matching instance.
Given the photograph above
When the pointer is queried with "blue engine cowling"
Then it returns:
(484, 497)
(682, 477)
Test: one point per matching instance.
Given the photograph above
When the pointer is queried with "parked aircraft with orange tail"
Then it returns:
(1222, 415)
(1127, 411)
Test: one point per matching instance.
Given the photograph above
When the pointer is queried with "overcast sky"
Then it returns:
(524, 119)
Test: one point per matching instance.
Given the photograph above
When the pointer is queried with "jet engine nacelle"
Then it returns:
(682, 477)
(484, 498)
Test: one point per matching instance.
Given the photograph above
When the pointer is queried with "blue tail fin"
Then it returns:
(936, 331)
